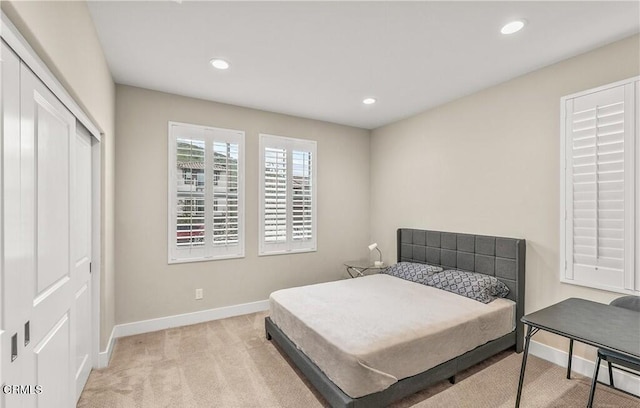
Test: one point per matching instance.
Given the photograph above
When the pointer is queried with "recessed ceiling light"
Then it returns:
(513, 27)
(219, 63)
(369, 101)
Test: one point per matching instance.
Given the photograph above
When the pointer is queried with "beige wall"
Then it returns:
(63, 35)
(147, 287)
(489, 164)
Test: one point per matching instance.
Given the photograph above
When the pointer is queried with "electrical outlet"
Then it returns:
(199, 294)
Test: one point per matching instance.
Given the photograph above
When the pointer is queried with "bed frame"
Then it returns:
(503, 258)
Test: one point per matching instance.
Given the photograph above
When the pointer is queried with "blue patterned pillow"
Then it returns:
(414, 272)
(477, 286)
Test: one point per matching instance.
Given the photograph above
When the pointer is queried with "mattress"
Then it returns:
(367, 333)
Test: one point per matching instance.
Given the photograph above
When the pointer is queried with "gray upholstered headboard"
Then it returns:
(503, 258)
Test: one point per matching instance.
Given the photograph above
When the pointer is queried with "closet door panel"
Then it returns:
(52, 362)
(52, 141)
(16, 307)
(47, 129)
(81, 249)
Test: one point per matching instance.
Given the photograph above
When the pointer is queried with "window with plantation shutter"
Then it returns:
(599, 190)
(206, 176)
(287, 195)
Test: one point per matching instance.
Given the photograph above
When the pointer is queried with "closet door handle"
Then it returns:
(27, 334)
(14, 347)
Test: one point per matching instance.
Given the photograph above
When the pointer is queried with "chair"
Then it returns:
(621, 361)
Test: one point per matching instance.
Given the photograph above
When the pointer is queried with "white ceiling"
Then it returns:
(320, 59)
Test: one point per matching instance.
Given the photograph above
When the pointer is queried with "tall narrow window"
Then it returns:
(599, 188)
(206, 188)
(287, 195)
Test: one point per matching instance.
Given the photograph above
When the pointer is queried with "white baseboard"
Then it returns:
(580, 365)
(105, 356)
(151, 325)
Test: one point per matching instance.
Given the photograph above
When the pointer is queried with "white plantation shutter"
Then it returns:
(190, 200)
(275, 195)
(205, 193)
(287, 195)
(599, 188)
(225, 194)
(302, 196)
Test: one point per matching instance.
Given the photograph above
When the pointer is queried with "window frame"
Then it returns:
(631, 270)
(209, 251)
(290, 246)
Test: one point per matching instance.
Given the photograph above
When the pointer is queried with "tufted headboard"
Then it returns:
(503, 258)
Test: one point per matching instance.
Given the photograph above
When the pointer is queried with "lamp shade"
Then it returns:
(373, 246)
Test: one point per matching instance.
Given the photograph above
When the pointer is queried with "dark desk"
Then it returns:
(588, 322)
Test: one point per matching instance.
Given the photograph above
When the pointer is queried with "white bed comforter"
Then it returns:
(367, 333)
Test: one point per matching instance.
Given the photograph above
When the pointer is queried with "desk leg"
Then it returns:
(570, 358)
(594, 381)
(524, 363)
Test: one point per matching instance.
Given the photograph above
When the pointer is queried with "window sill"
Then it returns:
(599, 287)
(171, 261)
(286, 252)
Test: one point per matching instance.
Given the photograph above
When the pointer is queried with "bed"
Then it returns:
(379, 348)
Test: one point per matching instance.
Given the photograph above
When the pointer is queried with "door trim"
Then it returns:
(96, 254)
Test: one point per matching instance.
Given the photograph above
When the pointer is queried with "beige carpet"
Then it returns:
(229, 363)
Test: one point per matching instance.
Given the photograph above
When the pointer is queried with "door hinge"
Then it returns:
(90, 263)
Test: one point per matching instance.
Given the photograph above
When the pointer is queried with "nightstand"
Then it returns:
(359, 268)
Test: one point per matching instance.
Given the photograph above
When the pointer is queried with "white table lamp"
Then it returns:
(378, 263)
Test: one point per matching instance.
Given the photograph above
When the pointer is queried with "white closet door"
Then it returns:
(46, 201)
(81, 250)
(48, 129)
(15, 301)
